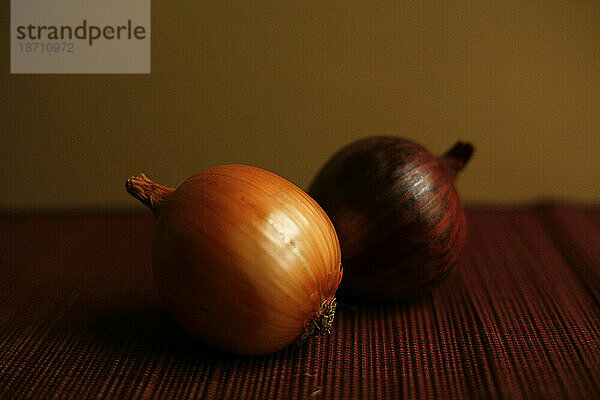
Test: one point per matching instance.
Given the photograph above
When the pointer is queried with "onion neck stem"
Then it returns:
(151, 194)
(457, 158)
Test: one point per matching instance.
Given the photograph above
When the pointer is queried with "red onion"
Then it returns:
(397, 214)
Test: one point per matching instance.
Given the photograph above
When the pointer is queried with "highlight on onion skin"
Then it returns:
(242, 258)
(397, 214)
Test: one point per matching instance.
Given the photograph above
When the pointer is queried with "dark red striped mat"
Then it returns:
(519, 319)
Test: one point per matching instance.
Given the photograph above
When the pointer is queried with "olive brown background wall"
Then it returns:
(283, 85)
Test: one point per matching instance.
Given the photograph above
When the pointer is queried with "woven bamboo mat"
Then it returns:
(518, 319)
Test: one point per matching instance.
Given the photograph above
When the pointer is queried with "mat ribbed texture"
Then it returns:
(518, 319)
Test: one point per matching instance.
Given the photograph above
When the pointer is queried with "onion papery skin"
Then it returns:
(245, 260)
(397, 214)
